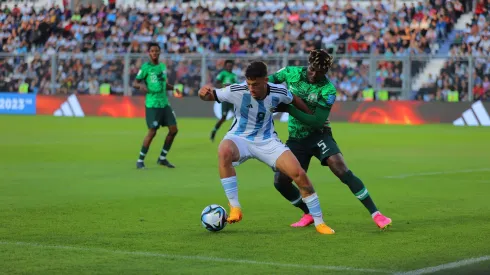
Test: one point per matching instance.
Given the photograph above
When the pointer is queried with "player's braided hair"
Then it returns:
(320, 60)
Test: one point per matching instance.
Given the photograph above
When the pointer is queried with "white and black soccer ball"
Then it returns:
(213, 217)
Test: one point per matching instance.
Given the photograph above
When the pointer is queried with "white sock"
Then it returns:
(375, 213)
(313, 204)
(231, 189)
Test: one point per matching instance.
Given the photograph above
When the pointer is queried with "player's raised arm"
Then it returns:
(226, 94)
(206, 93)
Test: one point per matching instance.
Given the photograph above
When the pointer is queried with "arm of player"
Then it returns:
(206, 93)
(209, 93)
(320, 118)
(171, 87)
(138, 82)
(317, 120)
(301, 105)
(297, 102)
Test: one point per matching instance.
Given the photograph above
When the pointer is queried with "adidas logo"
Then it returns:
(475, 116)
(71, 107)
(250, 106)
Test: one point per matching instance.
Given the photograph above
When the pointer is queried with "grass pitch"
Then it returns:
(72, 202)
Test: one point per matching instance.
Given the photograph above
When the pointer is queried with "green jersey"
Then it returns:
(313, 94)
(155, 77)
(226, 78)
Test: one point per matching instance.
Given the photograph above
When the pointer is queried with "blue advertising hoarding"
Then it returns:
(17, 104)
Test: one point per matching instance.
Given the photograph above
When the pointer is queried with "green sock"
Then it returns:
(291, 193)
(166, 148)
(359, 190)
(143, 152)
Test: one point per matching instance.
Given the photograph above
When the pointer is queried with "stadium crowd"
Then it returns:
(455, 76)
(91, 41)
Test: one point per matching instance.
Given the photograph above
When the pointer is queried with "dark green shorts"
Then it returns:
(156, 117)
(225, 108)
(321, 146)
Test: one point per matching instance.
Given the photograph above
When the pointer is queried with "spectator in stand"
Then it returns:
(259, 28)
(473, 41)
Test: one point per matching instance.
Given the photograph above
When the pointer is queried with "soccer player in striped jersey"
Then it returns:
(252, 135)
(308, 138)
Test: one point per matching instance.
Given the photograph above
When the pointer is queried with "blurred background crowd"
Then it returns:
(79, 50)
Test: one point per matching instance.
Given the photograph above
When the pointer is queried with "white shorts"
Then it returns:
(266, 151)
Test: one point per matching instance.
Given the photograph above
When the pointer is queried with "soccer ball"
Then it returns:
(213, 217)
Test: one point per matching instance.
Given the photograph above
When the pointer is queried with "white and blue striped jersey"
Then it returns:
(253, 118)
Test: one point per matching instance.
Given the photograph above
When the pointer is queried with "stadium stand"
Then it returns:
(472, 39)
(91, 42)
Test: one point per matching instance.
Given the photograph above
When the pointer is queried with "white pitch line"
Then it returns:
(445, 266)
(193, 258)
(437, 173)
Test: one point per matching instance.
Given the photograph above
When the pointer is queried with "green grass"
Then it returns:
(72, 202)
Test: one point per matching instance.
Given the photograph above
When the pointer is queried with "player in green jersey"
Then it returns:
(152, 80)
(308, 137)
(224, 78)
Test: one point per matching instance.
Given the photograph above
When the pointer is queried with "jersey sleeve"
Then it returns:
(279, 76)
(283, 94)
(142, 73)
(230, 94)
(328, 96)
(287, 98)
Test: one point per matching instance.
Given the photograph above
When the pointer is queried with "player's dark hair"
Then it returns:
(229, 61)
(320, 60)
(153, 44)
(256, 69)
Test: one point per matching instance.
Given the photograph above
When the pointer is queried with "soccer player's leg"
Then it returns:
(225, 108)
(151, 116)
(288, 190)
(168, 119)
(278, 156)
(231, 152)
(329, 154)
